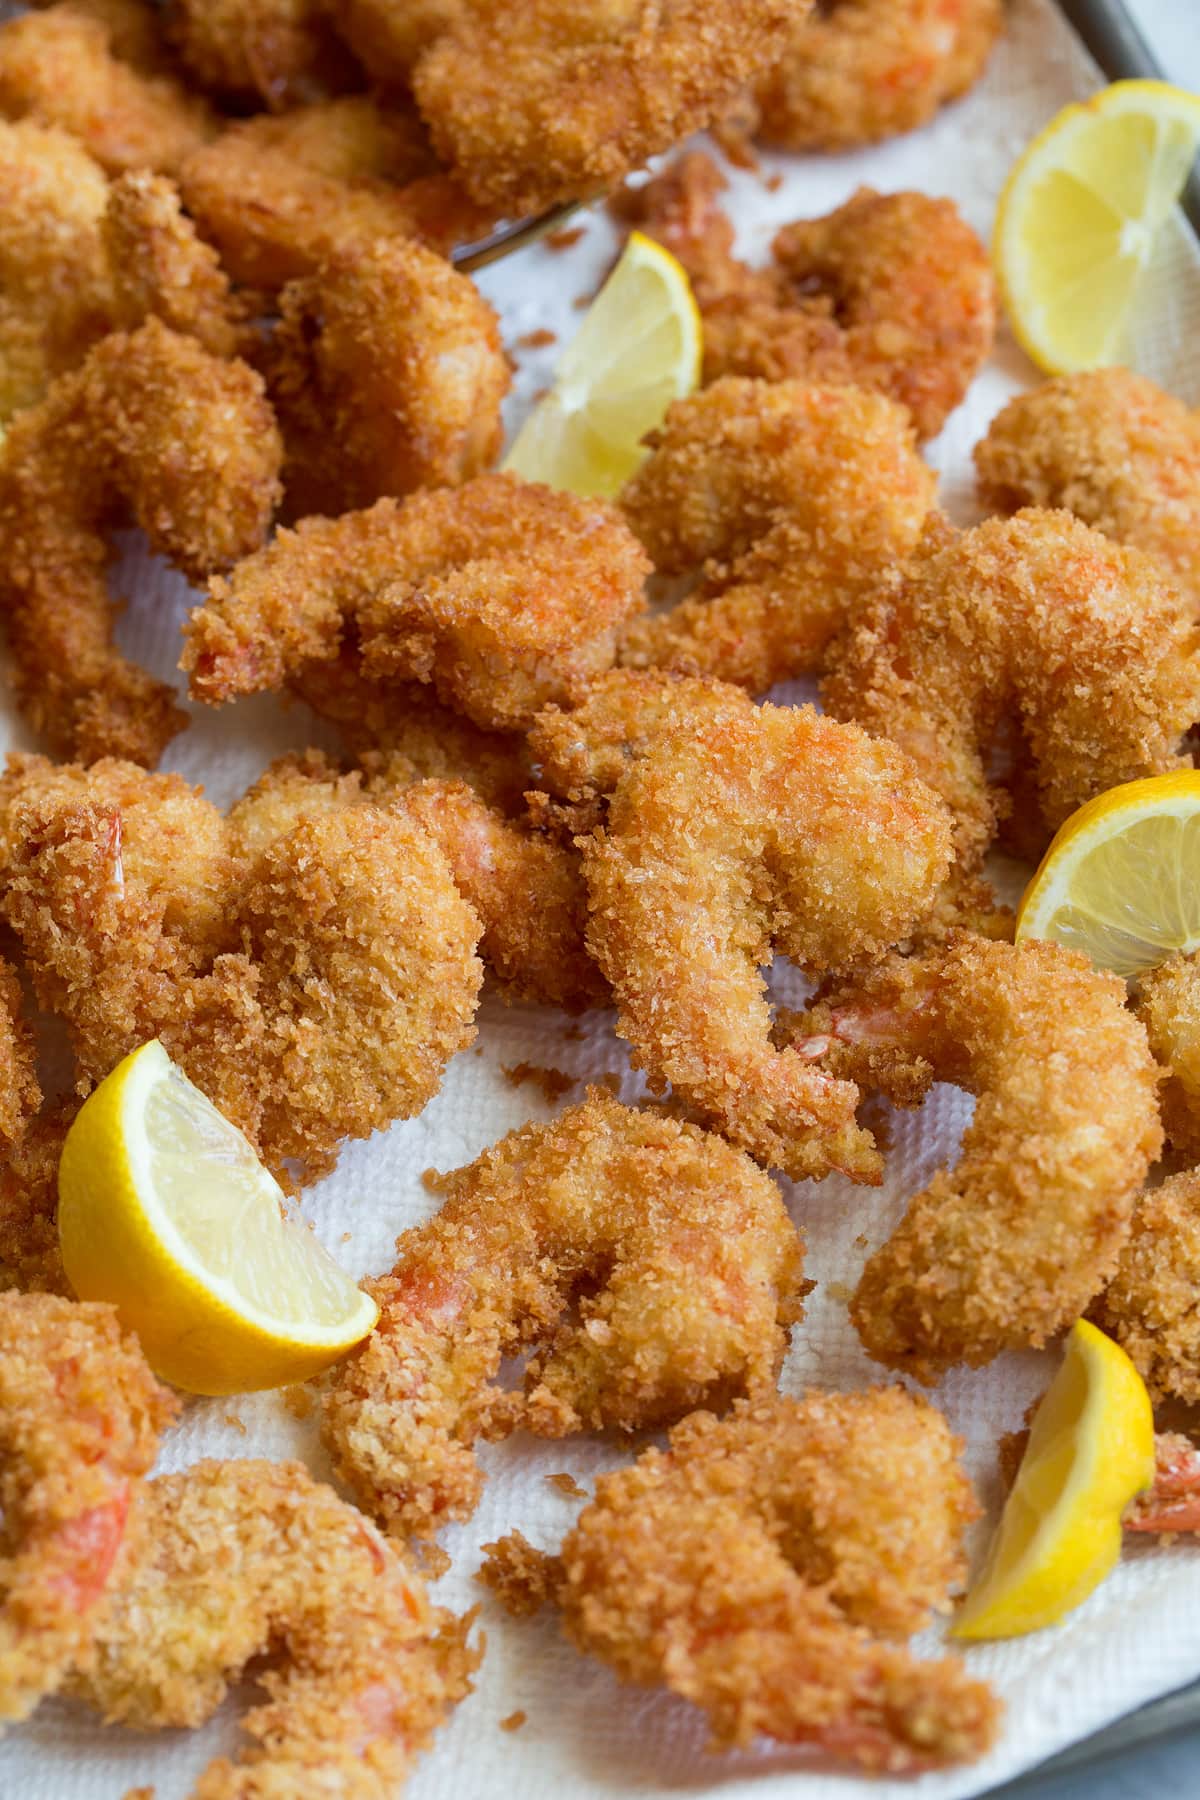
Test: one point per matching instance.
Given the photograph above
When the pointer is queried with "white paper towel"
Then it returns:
(586, 1737)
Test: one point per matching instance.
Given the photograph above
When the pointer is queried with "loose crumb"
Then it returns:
(434, 1560)
(773, 183)
(563, 240)
(299, 1401)
(346, 1237)
(540, 394)
(433, 1181)
(537, 340)
(522, 1578)
(554, 1083)
(839, 1291)
(232, 1419)
(861, 1241)
(567, 1484)
(514, 1721)
(581, 302)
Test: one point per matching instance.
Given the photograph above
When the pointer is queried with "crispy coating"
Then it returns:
(759, 1565)
(1149, 1306)
(1168, 1004)
(55, 288)
(555, 101)
(386, 371)
(1110, 447)
(791, 503)
(134, 29)
(1008, 1246)
(892, 292)
(160, 267)
(241, 1560)
(150, 427)
(654, 1230)
(279, 196)
(862, 70)
(1095, 652)
(20, 1093)
(389, 35)
(314, 990)
(59, 68)
(80, 1418)
(30, 1258)
(502, 594)
(776, 830)
(253, 53)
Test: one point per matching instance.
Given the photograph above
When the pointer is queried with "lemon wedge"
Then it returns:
(165, 1211)
(639, 348)
(1121, 879)
(1091, 1449)
(1079, 216)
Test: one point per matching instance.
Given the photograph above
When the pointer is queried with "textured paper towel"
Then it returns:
(586, 1737)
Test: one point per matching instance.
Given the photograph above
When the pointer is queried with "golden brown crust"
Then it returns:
(1168, 1004)
(253, 53)
(1151, 1304)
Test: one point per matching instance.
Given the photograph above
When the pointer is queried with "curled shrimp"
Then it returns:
(502, 595)
(1008, 1246)
(1149, 1306)
(1092, 649)
(677, 1251)
(792, 503)
(244, 1559)
(759, 1565)
(1110, 447)
(80, 1418)
(154, 425)
(554, 102)
(862, 70)
(770, 830)
(891, 292)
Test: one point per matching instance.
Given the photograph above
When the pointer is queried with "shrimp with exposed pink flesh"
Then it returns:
(1008, 1246)
(791, 503)
(772, 830)
(1172, 1503)
(760, 1564)
(80, 1419)
(676, 1250)
(240, 1560)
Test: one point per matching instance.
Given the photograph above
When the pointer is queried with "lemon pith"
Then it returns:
(166, 1212)
(1121, 879)
(1080, 214)
(637, 350)
(1091, 1449)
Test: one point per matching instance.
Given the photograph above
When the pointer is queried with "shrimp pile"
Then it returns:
(153, 426)
(552, 101)
(768, 1567)
(861, 70)
(1095, 653)
(244, 1559)
(80, 1419)
(1113, 449)
(314, 990)
(676, 1251)
(503, 595)
(1008, 1247)
(892, 292)
(775, 830)
(793, 503)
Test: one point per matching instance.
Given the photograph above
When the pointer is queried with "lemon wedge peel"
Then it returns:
(1121, 879)
(174, 1235)
(638, 348)
(1090, 1451)
(1080, 215)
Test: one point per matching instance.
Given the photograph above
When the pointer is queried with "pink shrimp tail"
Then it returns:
(1172, 1502)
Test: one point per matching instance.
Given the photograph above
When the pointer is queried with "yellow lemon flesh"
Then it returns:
(1079, 216)
(1121, 880)
(166, 1212)
(638, 349)
(1091, 1449)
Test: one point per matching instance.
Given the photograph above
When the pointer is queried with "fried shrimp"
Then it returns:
(759, 1566)
(80, 1418)
(553, 101)
(280, 196)
(1007, 1247)
(386, 372)
(58, 67)
(778, 830)
(792, 503)
(1113, 449)
(892, 292)
(678, 1253)
(861, 70)
(388, 36)
(503, 595)
(1093, 650)
(1149, 1306)
(153, 426)
(273, 53)
(20, 1094)
(244, 1559)
(1168, 1003)
(160, 267)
